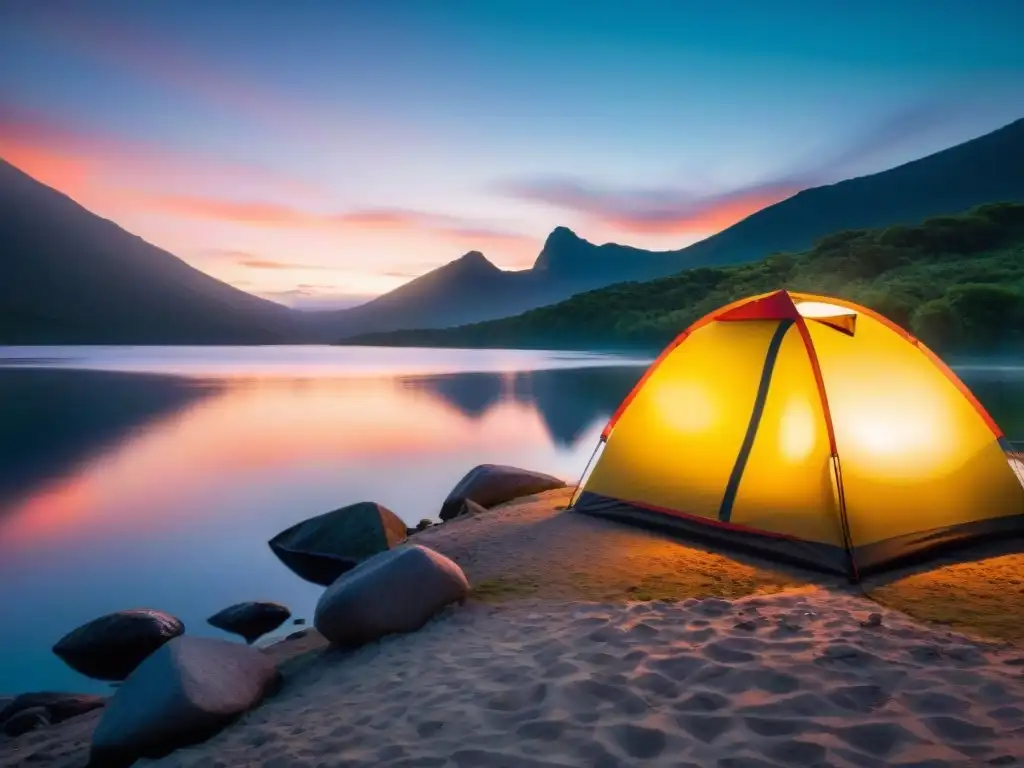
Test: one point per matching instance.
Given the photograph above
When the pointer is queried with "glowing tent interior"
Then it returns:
(807, 429)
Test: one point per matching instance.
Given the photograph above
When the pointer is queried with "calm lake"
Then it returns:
(154, 477)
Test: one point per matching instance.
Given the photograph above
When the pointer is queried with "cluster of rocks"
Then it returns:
(377, 582)
(113, 646)
(174, 689)
(324, 547)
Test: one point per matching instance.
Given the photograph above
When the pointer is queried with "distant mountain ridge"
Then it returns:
(461, 291)
(985, 169)
(69, 276)
(955, 281)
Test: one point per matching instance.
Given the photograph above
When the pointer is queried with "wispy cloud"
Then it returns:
(231, 254)
(283, 216)
(683, 209)
(253, 261)
(651, 211)
(244, 211)
(269, 264)
(131, 48)
(69, 156)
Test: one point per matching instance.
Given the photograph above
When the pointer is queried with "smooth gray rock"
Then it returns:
(59, 706)
(26, 720)
(184, 693)
(251, 620)
(110, 647)
(322, 548)
(492, 484)
(396, 591)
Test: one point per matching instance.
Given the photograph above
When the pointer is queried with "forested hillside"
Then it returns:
(955, 281)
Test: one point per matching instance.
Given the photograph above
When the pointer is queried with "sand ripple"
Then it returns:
(785, 680)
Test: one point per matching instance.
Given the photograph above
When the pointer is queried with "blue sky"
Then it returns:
(322, 152)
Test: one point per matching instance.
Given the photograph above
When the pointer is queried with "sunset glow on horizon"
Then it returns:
(323, 153)
(254, 428)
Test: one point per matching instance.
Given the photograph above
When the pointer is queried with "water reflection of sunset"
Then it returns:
(160, 487)
(249, 430)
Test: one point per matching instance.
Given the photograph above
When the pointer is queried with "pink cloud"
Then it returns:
(653, 211)
(70, 158)
(137, 51)
(688, 211)
(280, 215)
(253, 263)
(248, 212)
(711, 216)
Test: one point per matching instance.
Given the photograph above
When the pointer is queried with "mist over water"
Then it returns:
(155, 476)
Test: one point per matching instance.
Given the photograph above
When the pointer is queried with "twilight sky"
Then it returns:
(322, 152)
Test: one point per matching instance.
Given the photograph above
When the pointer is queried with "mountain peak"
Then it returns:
(562, 249)
(473, 257)
(563, 235)
(473, 262)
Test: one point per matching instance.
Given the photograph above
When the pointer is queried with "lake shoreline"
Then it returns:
(557, 657)
(124, 465)
(144, 459)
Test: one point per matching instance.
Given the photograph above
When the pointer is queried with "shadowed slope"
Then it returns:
(70, 276)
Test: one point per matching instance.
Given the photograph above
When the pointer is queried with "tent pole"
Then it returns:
(844, 521)
(586, 469)
(837, 469)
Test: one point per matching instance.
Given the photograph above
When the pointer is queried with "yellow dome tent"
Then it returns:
(807, 429)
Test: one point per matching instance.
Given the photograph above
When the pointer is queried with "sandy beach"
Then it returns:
(595, 644)
(788, 680)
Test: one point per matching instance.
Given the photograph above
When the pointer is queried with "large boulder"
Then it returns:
(396, 591)
(59, 706)
(322, 548)
(184, 693)
(492, 484)
(251, 620)
(110, 647)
